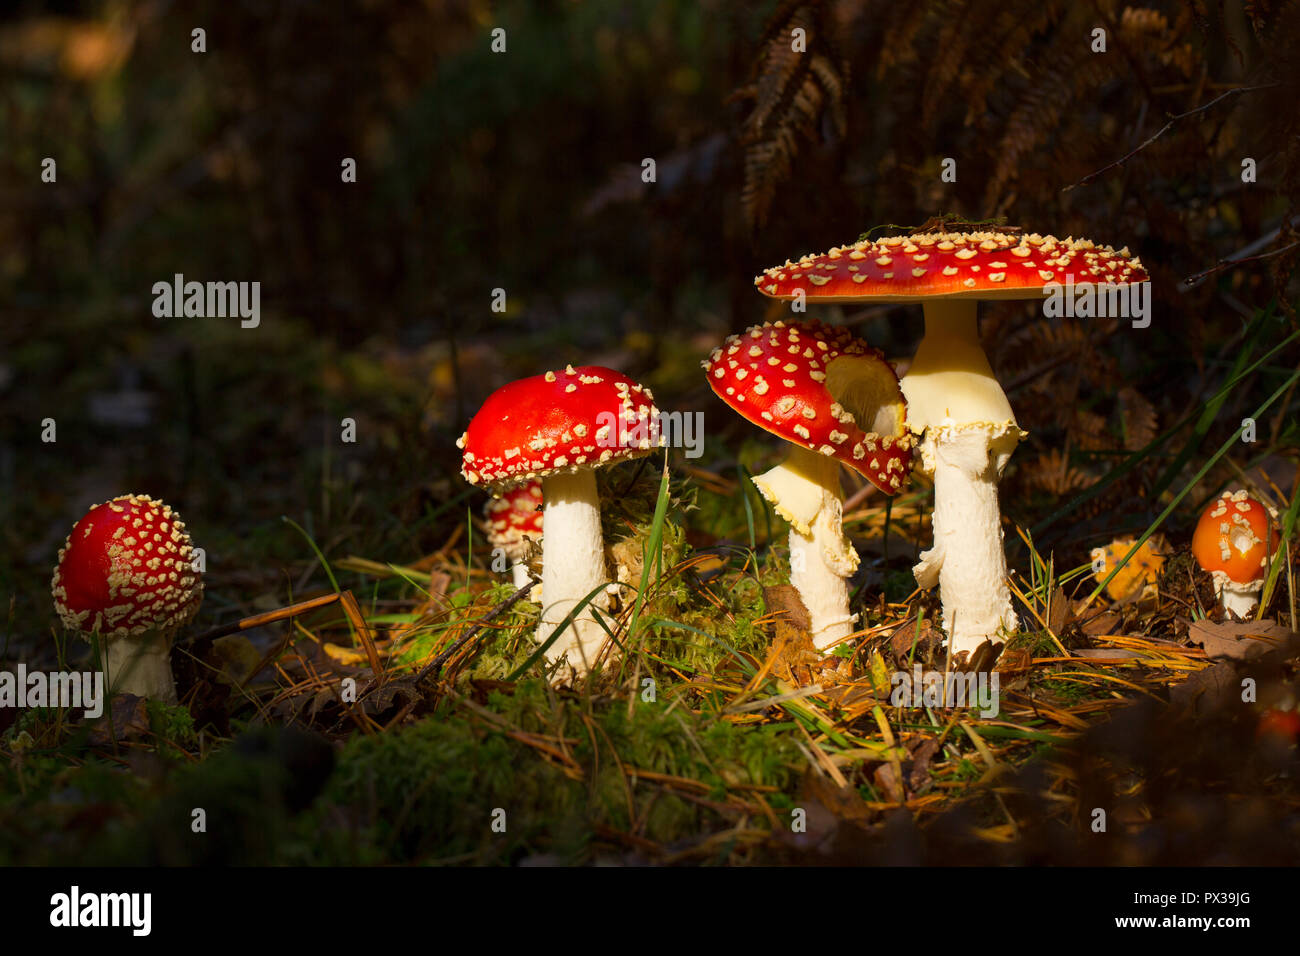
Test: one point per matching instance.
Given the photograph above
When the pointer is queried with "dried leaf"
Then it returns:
(879, 675)
(237, 657)
(1240, 640)
(344, 655)
(886, 779)
(127, 719)
(918, 768)
(1208, 690)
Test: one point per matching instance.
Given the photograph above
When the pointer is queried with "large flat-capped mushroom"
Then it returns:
(953, 398)
(514, 517)
(837, 401)
(560, 427)
(126, 573)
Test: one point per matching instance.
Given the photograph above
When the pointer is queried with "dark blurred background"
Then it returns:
(521, 170)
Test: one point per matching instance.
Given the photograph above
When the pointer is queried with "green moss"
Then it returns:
(1038, 643)
(171, 723)
(429, 792)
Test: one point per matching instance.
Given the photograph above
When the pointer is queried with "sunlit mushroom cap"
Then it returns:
(558, 422)
(784, 377)
(1232, 537)
(514, 515)
(127, 568)
(970, 265)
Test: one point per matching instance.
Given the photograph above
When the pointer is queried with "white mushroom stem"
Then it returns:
(140, 665)
(970, 432)
(1240, 599)
(967, 560)
(805, 490)
(519, 573)
(573, 565)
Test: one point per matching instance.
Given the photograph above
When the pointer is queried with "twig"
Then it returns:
(257, 620)
(469, 635)
(1164, 129)
(1194, 280)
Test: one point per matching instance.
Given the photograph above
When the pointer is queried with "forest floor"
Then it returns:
(710, 732)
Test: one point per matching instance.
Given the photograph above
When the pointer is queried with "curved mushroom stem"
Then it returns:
(140, 665)
(805, 490)
(970, 432)
(573, 565)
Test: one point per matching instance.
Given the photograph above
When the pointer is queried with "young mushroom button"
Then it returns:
(126, 573)
(1231, 542)
(559, 427)
(837, 401)
(953, 397)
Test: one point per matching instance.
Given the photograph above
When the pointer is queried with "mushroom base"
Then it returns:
(824, 592)
(805, 490)
(573, 566)
(967, 560)
(1240, 599)
(140, 665)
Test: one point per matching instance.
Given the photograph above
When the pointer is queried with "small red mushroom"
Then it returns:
(952, 395)
(125, 573)
(512, 519)
(837, 401)
(1278, 724)
(559, 427)
(1231, 542)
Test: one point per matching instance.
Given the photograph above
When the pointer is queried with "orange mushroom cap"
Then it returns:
(1232, 537)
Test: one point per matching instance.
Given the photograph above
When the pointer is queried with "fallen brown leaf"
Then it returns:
(1240, 640)
(127, 719)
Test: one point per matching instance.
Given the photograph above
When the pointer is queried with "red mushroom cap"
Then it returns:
(558, 422)
(125, 569)
(1282, 724)
(1232, 537)
(514, 515)
(775, 375)
(973, 265)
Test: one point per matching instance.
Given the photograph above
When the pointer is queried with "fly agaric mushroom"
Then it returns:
(126, 573)
(512, 519)
(1277, 724)
(837, 401)
(560, 427)
(1231, 542)
(952, 395)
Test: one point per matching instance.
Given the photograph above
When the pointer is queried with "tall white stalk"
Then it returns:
(970, 433)
(573, 565)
